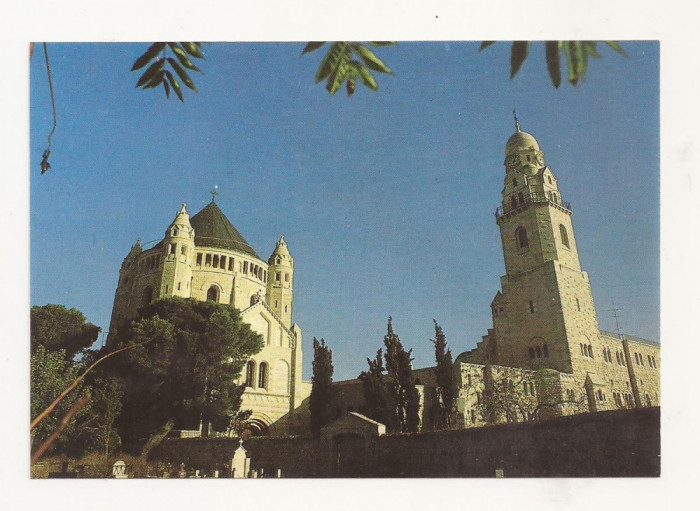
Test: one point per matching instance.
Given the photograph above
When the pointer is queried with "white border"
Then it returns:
(129, 20)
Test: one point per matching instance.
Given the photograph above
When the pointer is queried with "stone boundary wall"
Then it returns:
(620, 443)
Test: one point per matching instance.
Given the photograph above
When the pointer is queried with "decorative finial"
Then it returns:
(517, 124)
(214, 193)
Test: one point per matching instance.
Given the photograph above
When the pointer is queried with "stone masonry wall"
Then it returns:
(613, 443)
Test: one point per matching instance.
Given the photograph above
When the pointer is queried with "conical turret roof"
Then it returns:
(213, 229)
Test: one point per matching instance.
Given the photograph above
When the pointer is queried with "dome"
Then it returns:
(521, 140)
(212, 229)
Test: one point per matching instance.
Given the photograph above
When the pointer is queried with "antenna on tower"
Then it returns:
(214, 193)
(517, 123)
(616, 316)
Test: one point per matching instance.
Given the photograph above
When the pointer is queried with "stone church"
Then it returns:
(546, 349)
(205, 258)
(545, 355)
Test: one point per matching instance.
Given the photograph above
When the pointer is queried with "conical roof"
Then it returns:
(213, 229)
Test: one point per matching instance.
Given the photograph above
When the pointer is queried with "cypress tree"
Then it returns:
(444, 375)
(379, 396)
(400, 372)
(321, 400)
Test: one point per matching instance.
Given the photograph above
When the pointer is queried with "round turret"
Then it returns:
(280, 282)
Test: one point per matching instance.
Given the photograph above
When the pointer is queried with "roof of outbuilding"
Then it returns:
(213, 229)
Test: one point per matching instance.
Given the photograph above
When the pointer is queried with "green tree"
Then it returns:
(185, 375)
(392, 399)
(400, 372)
(379, 395)
(57, 328)
(444, 372)
(96, 432)
(51, 372)
(321, 400)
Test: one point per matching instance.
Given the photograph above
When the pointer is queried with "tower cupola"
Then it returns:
(523, 153)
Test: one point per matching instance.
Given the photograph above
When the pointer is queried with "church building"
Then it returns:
(546, 352)
(545, 355)
(204, 257)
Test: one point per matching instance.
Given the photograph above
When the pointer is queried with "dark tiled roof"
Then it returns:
(213, 229)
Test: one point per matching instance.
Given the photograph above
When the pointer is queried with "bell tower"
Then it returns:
(546, 306)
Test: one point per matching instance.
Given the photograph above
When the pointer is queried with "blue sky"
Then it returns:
(386, 199)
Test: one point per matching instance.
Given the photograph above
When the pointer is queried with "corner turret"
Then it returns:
(178, 251)
(280, 282)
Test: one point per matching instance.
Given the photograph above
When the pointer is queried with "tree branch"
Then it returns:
(77, 381)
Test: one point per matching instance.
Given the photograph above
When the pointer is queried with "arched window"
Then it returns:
(521, 237)
(538, 351)
(531, 352)
(213, 294)
(250, 374)
(513, 202)
(564, 235)
(545, 351)
(147, 296)
(521, 200)
(515, 182)
(590, 351)
(262, 376)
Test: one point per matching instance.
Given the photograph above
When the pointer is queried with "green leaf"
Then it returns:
(591, 48)
(193, 49)
(330, 61)
(569, 49)
(175, 85)
(382, 43)
(166, 86)
(486, 44)
(313, 45)
(182, 74)
(518, 54)
(370, 59)
(146, 77)
(616, 46)
(364, 74)
(577, 61)
(151, 52)
(553, 56)
(337, 78)
(155, 81)
(182, 57)
(351, 86)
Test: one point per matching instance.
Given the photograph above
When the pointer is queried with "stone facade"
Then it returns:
(206, 258)
(545, 342)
